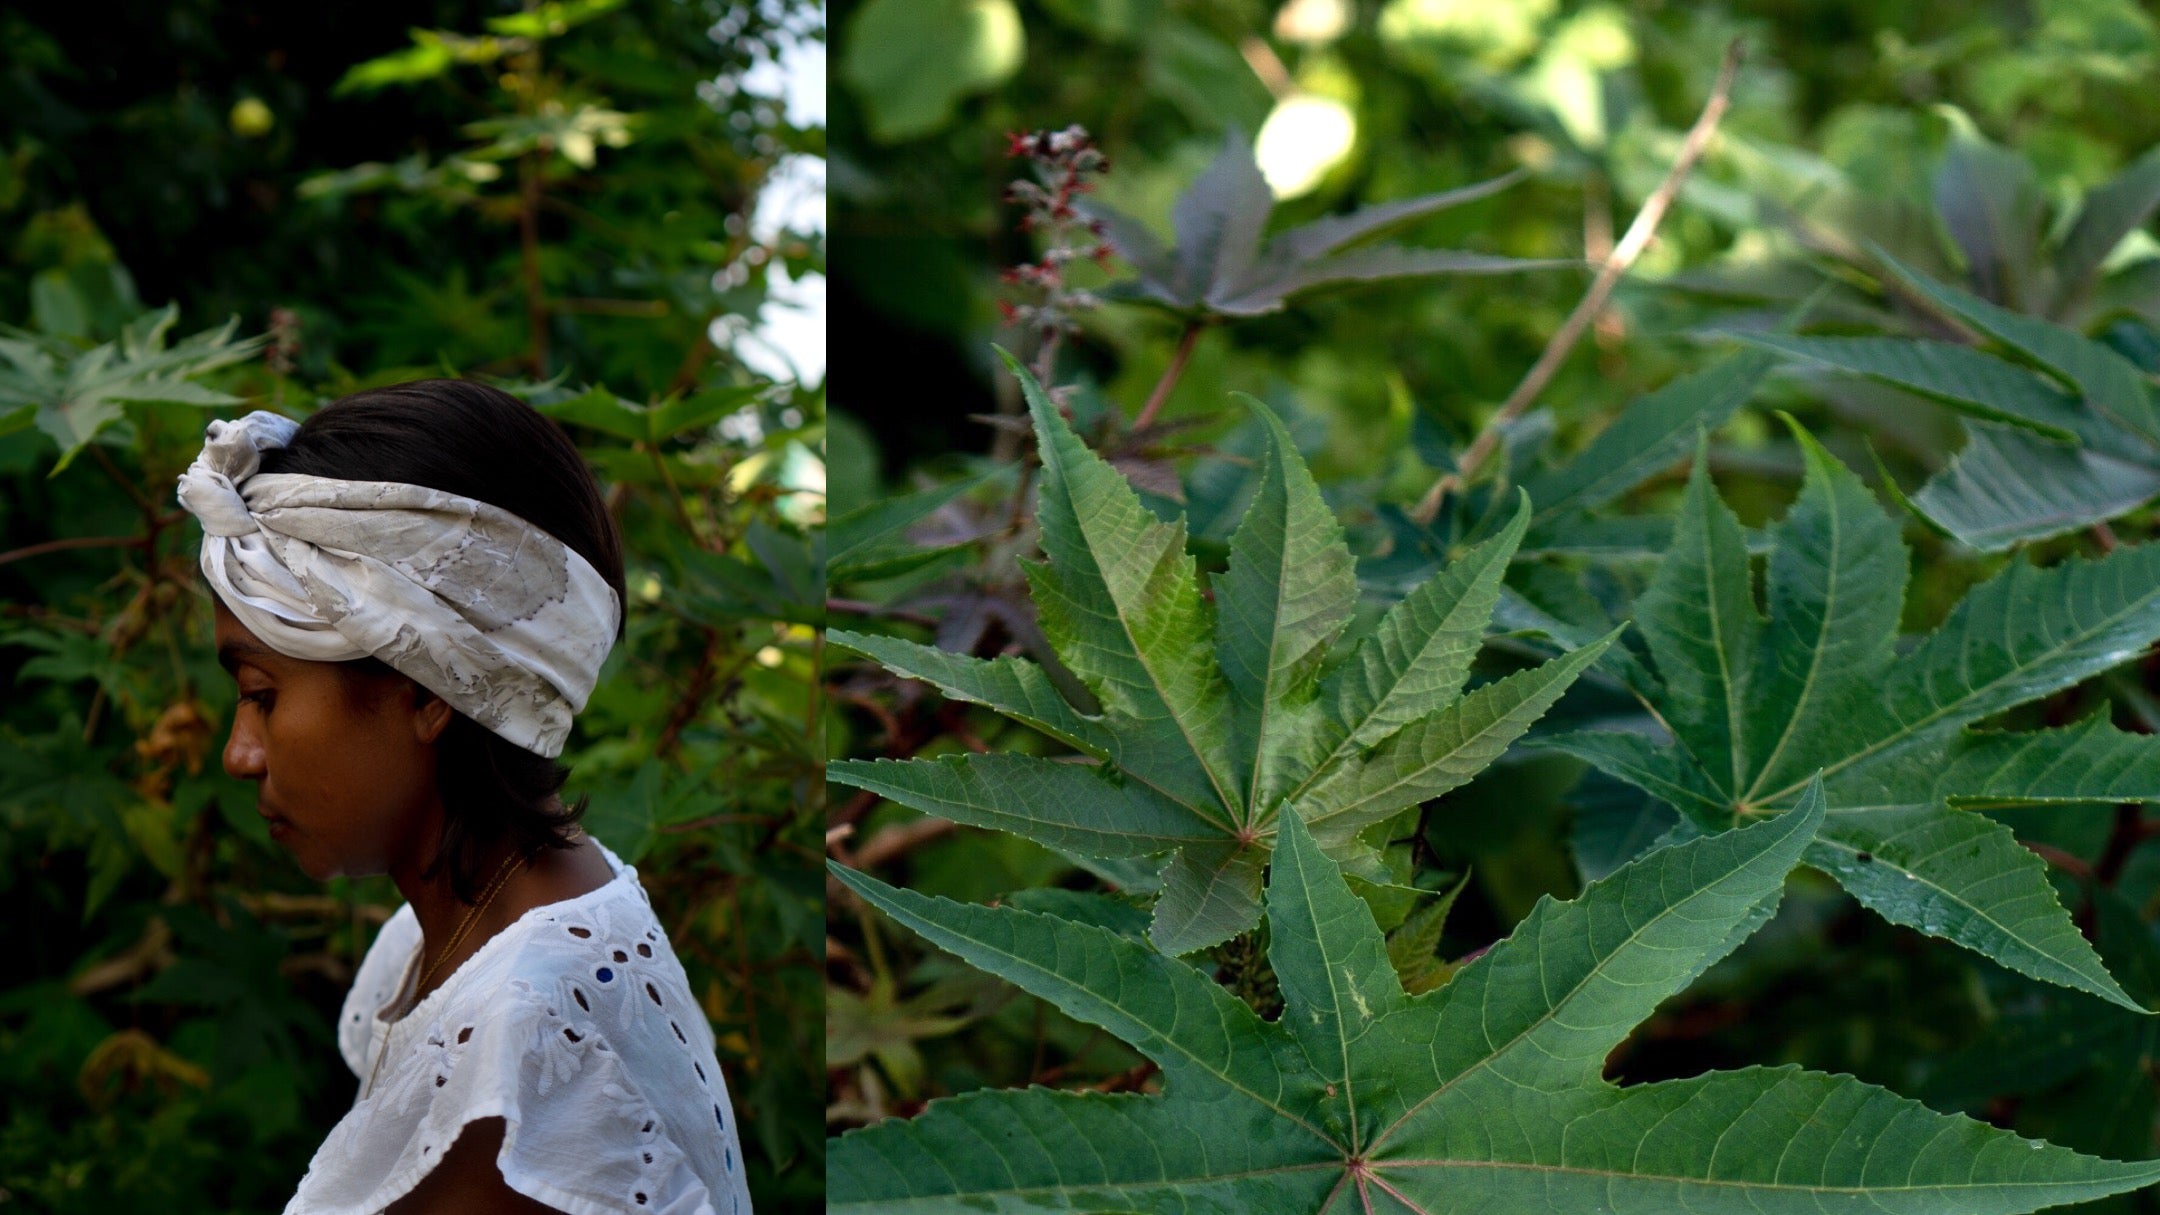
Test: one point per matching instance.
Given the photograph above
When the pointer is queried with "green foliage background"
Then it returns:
(556, 196)
(1847, 121)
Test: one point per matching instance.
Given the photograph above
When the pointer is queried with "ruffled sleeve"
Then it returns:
(579, 1132)
(380, 972)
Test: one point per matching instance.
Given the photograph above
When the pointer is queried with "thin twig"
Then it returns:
(2075, 866)
(1624, 254)
(682, 508)
(127, 486)
(56, 546)
(1046, 360)
(1268, 66)
(1186, 342)
(1607, 329)
(693, 697)
(892, 843)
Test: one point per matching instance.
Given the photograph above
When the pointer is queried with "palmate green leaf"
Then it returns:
(1757, 705)
(1968, 380)
(2064, 436)
(1649, 436)
(1412, 948)
(1119, 599)
(2006, 487)
(1074, 807)
(1214, 715)
(866, 542)
(2108, 214)
(1836, 586)
(1484, 1097)
(1440, 751)
(1420, 654)
(2107, 382)
(1990, 200)
(1014, 687)
(1221, 266)
(1288, 592)
(2085, 1071)
(77, 393)
(1706, 656)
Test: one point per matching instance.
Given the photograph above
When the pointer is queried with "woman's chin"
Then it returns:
(310, 862)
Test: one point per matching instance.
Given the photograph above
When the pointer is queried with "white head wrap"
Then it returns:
(503, 621)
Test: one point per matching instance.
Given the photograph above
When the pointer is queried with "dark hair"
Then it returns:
(477, 442)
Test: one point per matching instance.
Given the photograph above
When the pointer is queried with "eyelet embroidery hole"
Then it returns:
(582, 934)
(644, 951)
(678, 1033)
(620, 956)
(579, 995)
(441, 1080)
(572, 1035)
(654, 992)
(604, 975)
(465, 1034)
(700, 1072)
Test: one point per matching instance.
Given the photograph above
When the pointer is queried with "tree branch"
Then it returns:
(56, 546)
(1624, 254)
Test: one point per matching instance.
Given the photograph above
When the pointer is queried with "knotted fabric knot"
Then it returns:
(232, 451)
(503, 621)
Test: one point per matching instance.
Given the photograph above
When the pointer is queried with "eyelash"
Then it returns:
(259, 699)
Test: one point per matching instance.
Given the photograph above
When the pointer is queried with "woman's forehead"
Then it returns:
(237, 644)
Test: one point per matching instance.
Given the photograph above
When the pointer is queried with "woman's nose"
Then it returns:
(243, 750)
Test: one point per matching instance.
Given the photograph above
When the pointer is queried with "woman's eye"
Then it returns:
(260, 699)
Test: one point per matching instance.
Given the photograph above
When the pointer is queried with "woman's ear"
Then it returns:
(431, 715)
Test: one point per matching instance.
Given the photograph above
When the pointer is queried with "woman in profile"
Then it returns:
(415, 591)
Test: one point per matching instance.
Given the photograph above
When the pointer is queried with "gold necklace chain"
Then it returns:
(502, 878)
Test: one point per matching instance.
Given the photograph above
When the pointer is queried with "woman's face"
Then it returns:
(345, 765)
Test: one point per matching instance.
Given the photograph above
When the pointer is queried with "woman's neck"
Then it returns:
(550, 876)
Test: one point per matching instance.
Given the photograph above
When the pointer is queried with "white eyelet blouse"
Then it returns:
(576, 1026)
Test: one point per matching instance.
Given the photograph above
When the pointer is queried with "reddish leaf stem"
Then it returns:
(1189, 339)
